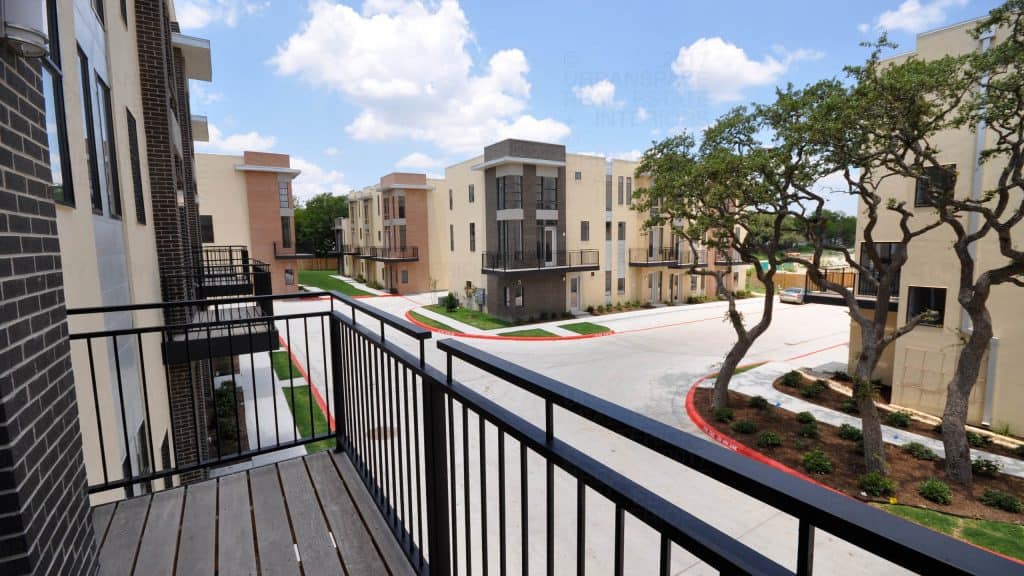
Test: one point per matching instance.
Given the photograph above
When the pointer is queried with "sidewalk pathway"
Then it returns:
(758, 382)
(359, 285)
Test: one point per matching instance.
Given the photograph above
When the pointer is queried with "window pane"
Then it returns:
(206, 229)
(56, 136)
(109, 150)
(286, 232)
(90, 134)
(133, 150)
(282, 194)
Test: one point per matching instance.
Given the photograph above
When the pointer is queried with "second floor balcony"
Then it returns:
(527, 261)
(689, 258)
(223, 271)
(653, 256)
(350, 249)
(389, 253)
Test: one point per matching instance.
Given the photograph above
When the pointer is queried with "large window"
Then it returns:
(886, 251)
(206, 229)
(510, 192)
(282, 194)
(286, 231)
(90, 133)
(401, 206)
(936, 180)
(546, 190)
(61, 189)
(109, 149)
(133, 151)
(510, 238)
(928, 301)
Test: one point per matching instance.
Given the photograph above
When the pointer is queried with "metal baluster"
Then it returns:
(805, 549)
(129, 489)
(96, 405)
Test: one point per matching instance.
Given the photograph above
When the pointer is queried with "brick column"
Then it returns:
(45, 527)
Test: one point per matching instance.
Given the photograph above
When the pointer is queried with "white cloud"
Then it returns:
(418, 161)
(600, 93)
(641, 114)
(405, 64)
(201, 13)
(863, 28)
(914, 16)
(316, 180)
(331, 151)
(236, 143)
(202, 95)
(722, 70)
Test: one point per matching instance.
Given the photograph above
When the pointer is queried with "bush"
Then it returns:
(851, 433)
(809, 430)
(792, 379)
(769, 439)
(840, 376)
(875, 484)
(814, 389)
(816, 462)
(849, 406)
(723, 414)
(920, 451)
(935, 490)
(759, 402)
(744, 427)
(450, 302)
(898, 419)
(1019, 451)
(805, 418)
(977, 440)
(984, 467)
(1002, 500)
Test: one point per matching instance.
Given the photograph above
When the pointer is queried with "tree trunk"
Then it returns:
(954, 417)
(871, 422)
(732, 360)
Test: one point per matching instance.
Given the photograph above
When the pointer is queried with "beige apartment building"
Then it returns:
(920, 364)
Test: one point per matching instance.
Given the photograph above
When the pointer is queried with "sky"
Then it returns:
(353, 91)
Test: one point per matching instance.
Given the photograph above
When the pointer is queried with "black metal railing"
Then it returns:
(350, 249)
(222, 271)
(729, 256)
(385, 253)
(531, 260)
(846, 277)
(689, 258)
(865, 287)
(652, 255)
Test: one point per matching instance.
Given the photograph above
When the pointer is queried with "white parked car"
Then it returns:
(792, 295)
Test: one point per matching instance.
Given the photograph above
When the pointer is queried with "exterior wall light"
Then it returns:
(23, 27)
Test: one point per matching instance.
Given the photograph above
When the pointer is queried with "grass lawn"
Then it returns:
(322, 279)
(472, 317)
(531, 333)
(432, 323)
(586, 328)
(300, 411)
(281, 359)
(1002, 537)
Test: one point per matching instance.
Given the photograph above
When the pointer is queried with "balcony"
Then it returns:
(431, 475)
(389, 254)
(730, 256)
(866, 292)
(350, 249)
(513, 262)
(653, 256)
(689, 259)
(221, 271)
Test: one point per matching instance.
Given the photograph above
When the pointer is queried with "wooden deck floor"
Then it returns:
(312, 512)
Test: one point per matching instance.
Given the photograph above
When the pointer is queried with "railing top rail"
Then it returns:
(904, 543)
(400, 324)
(185, 303)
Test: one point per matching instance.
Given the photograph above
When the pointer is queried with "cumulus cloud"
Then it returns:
(915, 16)
(723, 70)
(600, 93)
(201, 13)
(641, 114)
(203, 95)
(316, 180)
(236, 143)
(418, 161)
(406, 65)
(331, 151)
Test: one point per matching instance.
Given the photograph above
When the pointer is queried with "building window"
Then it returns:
(584, 231)
(472, 193)
(451, 202)
(109, 149)
(936, 180)
(90, 133)
(578, 176)
(629, 190)
(402, 237)
(546, 190)
(451, 237)
(472, 236)
(519, 295)
(608, 193)
(928, 301)
(124, 11)
(289, 276)
(622, 231)
(693, 282)
(607, 231)
(57, 140)
(621, 285)
(886, 252)
(286, 231)
(206, 229)
(133, 152)
(401, 206)
(165, 459)
(510, 192)
(405, 276)
(622, 189)
(97, 5)
(510, 238)
(508, 297)
(608, 283)
(282, 194)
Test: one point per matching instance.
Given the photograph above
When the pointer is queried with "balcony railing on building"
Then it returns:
(390, 253)
(219, 271)
(653, 256)
(503, 262)
(689, 258)
(729, 256)
(350, 249)
(865, 290)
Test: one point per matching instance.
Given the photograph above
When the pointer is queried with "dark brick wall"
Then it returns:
(45, 526)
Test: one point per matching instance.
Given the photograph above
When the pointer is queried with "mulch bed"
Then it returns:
(848, 463)
(830, 398)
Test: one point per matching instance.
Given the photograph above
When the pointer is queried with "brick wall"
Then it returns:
(44, 509)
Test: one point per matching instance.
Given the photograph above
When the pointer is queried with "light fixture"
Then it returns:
(23, 27)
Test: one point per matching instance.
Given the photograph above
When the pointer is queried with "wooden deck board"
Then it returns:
(159, 541)
(196, 546)
(236, 553)
(273, 534)
(316, 549)
(122, 541)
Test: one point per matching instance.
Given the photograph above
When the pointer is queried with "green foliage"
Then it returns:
(805, 418)
(450, 302)
(898, 419)
(1019, 451)
(724, 414)
(1002, 500)
(314, 223)
(851, 433)
(769, 439)
(699, 299)
(985, 467)
(936, 491)
(841, 376)
(816, 462)
(744, 427)
(977, 440)
(814, 389)
(226, 403)
(875, 484)
(920, 451)
(849, 406)
(792, 379)
(758, 402)
(809, 430)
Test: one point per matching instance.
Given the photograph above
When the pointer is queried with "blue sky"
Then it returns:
(355, 90)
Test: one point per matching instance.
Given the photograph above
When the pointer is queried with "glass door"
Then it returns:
(574, 294)
(550, 248)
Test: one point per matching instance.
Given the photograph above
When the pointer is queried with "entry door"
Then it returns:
(550, 247)
(574, 294)
(654, 283)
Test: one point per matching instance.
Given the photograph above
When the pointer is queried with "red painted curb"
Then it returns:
(409, 317)
(309, 381)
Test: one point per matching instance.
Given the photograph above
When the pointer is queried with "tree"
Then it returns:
(314, 223)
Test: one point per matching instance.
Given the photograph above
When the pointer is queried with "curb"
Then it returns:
(409, 317)
(316, 392)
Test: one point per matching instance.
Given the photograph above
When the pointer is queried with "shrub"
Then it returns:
(840, 376)
(769, 439)
(809, 430)
(978, 440)
(898, 419)
(816, 462)
(805, 418)
(849, 406)
(814, 389)
(590, 309)
(1002, 500)
(851, 433)
(744, 427)
(875, 484)
(793, 379)
(984, 467)
(723, 414)
(759, 402)
(450, 302)
(920, 451)
(1019, 451)
(935, 490)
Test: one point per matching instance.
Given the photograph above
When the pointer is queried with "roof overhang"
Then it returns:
(200, 128)
(516, 160)
(293, 172)
(198, 64)
(406, 187)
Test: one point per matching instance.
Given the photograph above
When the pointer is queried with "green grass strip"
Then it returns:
(432, 323)
(586, 328)
(531, 333)
(281, 360)
(299, 401)
(322, 279)
(1002, 537)
(474, 318)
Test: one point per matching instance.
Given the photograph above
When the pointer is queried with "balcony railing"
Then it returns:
(866, 291)
(688, 258)
(223, 271)
(729, 256)
(499, 262)
(653, 256)
(350, 249)
(390, 253)
(452, 471)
